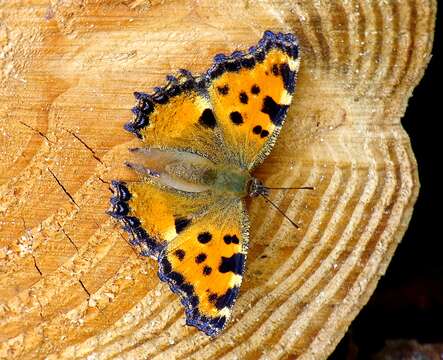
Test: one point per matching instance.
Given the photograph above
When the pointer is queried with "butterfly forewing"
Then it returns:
(250, 101)
(177, 116)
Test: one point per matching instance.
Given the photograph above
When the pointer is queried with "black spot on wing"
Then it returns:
(255, 90)
(236, 118)
(223, 89)
(243, 97)
(264, 133)
(180, 254)
(234, 264)
(257, 130)
(228, 299)
(275, 70)
(181, 224)
(275, 111)
(204, 237)
(207, 270)
(228, 239)
(207, 119)
(288, 77)
(200, 258)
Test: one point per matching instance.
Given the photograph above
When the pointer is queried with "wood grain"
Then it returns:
(71, 286)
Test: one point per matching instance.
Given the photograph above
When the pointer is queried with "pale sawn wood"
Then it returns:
(71, 286)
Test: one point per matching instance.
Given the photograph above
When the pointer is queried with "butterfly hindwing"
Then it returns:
(205, 264)
(250, 95)
(155, 214)
(200, 245)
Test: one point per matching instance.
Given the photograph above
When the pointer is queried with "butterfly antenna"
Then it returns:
(279, 210)
(290, 188)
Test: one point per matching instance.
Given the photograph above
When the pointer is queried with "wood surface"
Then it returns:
(70, 285)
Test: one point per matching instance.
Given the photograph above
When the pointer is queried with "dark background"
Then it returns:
(408, 301)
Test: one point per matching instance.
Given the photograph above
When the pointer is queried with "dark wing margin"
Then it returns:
(120, 210)
(146, 103)
(256, 54)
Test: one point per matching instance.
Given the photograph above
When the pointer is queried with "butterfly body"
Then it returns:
(231, 182)
(191, 172)
(202, 137)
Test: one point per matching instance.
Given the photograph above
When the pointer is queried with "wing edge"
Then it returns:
(238, 59)
(120, 210)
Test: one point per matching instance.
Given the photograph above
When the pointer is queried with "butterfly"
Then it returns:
(201, 138)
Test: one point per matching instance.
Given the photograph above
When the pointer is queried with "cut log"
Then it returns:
(70, 284)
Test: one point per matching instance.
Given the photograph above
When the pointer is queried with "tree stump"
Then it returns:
(70, 284)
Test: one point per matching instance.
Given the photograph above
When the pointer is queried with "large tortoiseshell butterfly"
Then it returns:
(202, 136)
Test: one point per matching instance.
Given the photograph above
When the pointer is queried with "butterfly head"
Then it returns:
(256, 188)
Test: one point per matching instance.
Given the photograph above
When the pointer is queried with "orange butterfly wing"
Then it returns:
(200, 244)
(177, 116)
(251, 96)
(231, 114)
(205, 265)
(154, 215)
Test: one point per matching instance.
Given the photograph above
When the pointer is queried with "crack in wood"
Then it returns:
(94, 155)
(37, 131)
(106, 182)
(63, 188)
(69, 238)
(41, 307)
(103, 181)
(84, 288)
(27, 234)
(36, 266)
